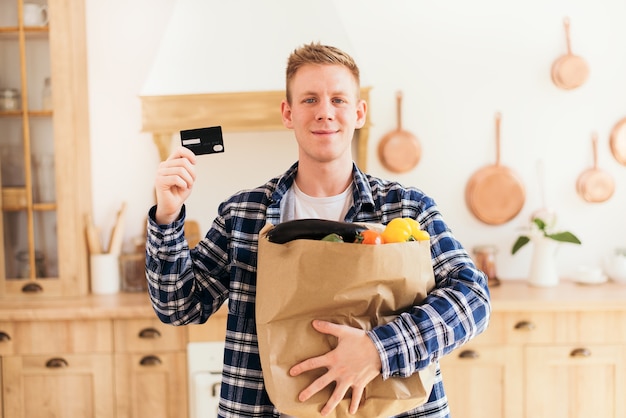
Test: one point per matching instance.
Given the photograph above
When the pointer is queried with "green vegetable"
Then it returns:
(315, 229)
(333, 238)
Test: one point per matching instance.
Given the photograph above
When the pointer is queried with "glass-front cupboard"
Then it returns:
(44, 148)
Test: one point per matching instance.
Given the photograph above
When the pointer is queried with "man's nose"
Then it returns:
(325, 110)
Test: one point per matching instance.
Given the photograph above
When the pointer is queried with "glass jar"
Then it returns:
(485, 259)
(9, 99)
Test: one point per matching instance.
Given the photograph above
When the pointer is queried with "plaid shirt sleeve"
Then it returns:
(179, 295)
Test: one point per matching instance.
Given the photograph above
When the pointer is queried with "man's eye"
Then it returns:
(309, 100)
(338, 101)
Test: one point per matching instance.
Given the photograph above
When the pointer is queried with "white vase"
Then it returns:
(543, 271)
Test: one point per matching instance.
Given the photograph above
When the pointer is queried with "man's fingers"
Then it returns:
(333, 401)
(355, 402)
(317, 385)
(326, 327)
(309, 364)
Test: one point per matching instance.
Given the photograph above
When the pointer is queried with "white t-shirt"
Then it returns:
(298, 205)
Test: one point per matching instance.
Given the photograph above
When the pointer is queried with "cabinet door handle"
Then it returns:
(4, 337)
(469, 354)
(57, 363)
(150, 361)
(149, 333)
(215, 389)
(32, 288)
(580, 352)
(525, 326)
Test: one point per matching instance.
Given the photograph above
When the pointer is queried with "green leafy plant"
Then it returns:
(541, 226)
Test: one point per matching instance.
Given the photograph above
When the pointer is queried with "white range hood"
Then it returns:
(216, 46)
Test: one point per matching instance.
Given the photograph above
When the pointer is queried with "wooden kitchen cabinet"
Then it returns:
(97, 356)
(483, 381)
(150, 369)
(91, 357)
(524, 365)
(45, 172)
(556, 352)
(59, 368)
(58, 385)
(575, 381)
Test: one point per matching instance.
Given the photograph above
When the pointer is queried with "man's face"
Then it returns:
(324, 112)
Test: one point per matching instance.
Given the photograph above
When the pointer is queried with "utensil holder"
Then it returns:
(105, 274)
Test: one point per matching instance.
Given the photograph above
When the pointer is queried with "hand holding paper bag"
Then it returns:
(351, 369)
(361, 286)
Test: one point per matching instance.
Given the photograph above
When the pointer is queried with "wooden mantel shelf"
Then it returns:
(257, 111)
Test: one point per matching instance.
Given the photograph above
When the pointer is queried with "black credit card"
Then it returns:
(203, 140)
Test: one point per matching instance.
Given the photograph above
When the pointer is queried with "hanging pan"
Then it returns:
(494, 193)
(595, 185)
(618, 141)
(569, 71)
(399, 150)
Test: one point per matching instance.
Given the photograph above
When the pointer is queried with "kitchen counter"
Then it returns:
(516, 295)
(117, 306)
(511, 295)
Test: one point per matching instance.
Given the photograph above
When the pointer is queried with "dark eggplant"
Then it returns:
(315, 229)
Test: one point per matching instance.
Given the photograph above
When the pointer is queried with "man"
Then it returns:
(323, 108)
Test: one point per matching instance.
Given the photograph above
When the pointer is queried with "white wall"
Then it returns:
(457, 63)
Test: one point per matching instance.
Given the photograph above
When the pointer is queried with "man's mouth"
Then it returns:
(325, 131)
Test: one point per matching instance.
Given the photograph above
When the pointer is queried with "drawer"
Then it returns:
(148, 335)
(50, 337)
(564, 327)
(495, 332)
(7, 334)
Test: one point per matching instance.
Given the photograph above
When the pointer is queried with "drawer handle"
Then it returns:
(215, 389)
(469, 354)
(149, 333)
(4, 337)
(525, 326)
(32, 288)
(580, 352)
(57, 363)
(150, 361)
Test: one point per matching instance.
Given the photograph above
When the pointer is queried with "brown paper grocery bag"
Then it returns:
(353, 284)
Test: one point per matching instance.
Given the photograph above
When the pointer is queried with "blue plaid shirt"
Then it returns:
(188, 286)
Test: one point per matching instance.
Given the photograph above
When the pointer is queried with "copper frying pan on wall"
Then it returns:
(618, 141)
(569, 71)
(495, 194)
(399, 150)
(595, 185)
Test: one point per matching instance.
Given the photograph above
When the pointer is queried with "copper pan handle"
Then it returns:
(498, 120)
(567, 36)
(399, 109)
(594, 144)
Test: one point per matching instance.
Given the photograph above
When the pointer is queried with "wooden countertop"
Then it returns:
(511, 295)
(518, 295)
(117, 306)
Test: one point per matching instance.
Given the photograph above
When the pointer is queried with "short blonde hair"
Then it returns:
(315, 53)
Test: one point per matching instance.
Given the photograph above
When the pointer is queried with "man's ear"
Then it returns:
(361, 113)
(285, 110)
